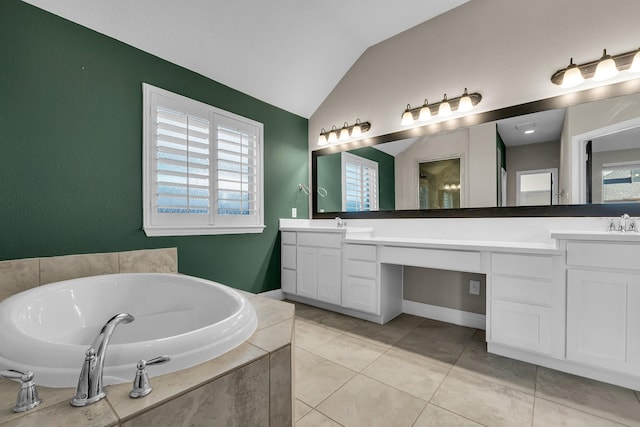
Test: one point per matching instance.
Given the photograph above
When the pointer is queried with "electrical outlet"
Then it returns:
(474, 287)
(294, 212)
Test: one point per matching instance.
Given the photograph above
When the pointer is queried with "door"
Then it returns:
(329, 276)
(307, 272)
(603, 319)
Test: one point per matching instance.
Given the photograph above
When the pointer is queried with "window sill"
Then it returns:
(157, 231)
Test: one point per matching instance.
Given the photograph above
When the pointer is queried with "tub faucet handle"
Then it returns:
(27, 395)
(141, 384)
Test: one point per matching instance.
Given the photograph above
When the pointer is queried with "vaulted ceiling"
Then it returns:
(289, 53)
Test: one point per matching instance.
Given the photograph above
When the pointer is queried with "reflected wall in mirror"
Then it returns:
(493, 154)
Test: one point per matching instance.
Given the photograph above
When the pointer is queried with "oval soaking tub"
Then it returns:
(48, 329)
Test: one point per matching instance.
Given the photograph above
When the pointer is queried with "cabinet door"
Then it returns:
(329, 276)
(603, 319)
(307, 272)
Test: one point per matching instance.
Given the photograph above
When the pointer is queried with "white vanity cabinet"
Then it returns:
(319, 266)
(526, 302)
(603, 305)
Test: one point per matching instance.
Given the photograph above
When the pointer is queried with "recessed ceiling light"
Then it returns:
(526, 128)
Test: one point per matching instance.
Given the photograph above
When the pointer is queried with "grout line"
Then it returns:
(460, 415)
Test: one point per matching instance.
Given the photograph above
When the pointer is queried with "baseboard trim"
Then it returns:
(444, 314)
(274, 294)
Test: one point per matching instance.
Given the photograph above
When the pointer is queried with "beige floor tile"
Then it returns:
(409, 372)
(438, 340)
(595, 397)
(271, 311)
(547, 413)
(310, 335)
(475, 360)
(300, 409)
(351, 352)
(484, 402)
(364, 402)
(389, 333)
(434, 416)
(316, 419)
(316, 378)
(299, 352)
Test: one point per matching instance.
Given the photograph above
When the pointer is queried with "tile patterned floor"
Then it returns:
(417, 372)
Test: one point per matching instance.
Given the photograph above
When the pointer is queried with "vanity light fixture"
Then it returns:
(334, 135)
(444, 108)
(604, 68)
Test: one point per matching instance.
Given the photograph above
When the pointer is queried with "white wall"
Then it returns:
(505, 49)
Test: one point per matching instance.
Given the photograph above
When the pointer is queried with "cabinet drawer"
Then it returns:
(288, 237)
(520, 325)
(360, 294)
(607, 255)
(288, 281)
(321, 240)
(289, 256)
(522, 290)
(360, 252)
(536, 266)
(357, 268)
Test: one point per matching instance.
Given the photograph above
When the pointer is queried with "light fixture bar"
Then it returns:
(409, 115)
(353, 131)
(623, 62)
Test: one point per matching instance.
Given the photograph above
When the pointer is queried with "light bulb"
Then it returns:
(635, 65)
(357, 130)
(407, 116)
(465, 103)
(425, 112)
(322, 140)
(572, 76)
(606, 67)
(445, 109)
(333, 135)
(344, 132)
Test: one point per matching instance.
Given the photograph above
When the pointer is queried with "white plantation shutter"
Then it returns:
(237, 170)
(183, 151)
(202, 168)
(359, 183)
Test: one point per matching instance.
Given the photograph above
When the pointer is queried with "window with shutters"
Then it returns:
(202, 168)
(359, 183)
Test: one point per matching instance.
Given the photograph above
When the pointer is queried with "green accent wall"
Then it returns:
(330, 178)
(71, 158)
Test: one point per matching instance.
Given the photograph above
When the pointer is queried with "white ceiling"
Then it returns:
(546, 124)
(289, 53)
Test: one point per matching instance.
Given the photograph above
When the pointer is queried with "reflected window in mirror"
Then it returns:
(621, 182)
(359, 184)
(439, 184)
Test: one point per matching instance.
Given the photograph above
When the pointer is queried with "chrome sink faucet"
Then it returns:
(340, 222)
(90, 388)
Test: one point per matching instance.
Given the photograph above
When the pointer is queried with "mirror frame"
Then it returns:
(562, 101)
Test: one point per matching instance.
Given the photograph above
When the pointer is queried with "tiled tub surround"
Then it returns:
(249, 385)
(22, 274)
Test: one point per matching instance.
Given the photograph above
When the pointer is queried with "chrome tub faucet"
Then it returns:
(90, 388)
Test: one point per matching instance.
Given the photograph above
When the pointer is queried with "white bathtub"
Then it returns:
(48, 329)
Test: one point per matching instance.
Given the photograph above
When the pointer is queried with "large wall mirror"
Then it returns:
(572, 155)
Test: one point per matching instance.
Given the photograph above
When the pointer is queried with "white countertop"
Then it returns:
(465, 245)
(611, 236)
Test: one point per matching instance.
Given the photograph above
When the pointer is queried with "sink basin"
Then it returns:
(48, 329)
